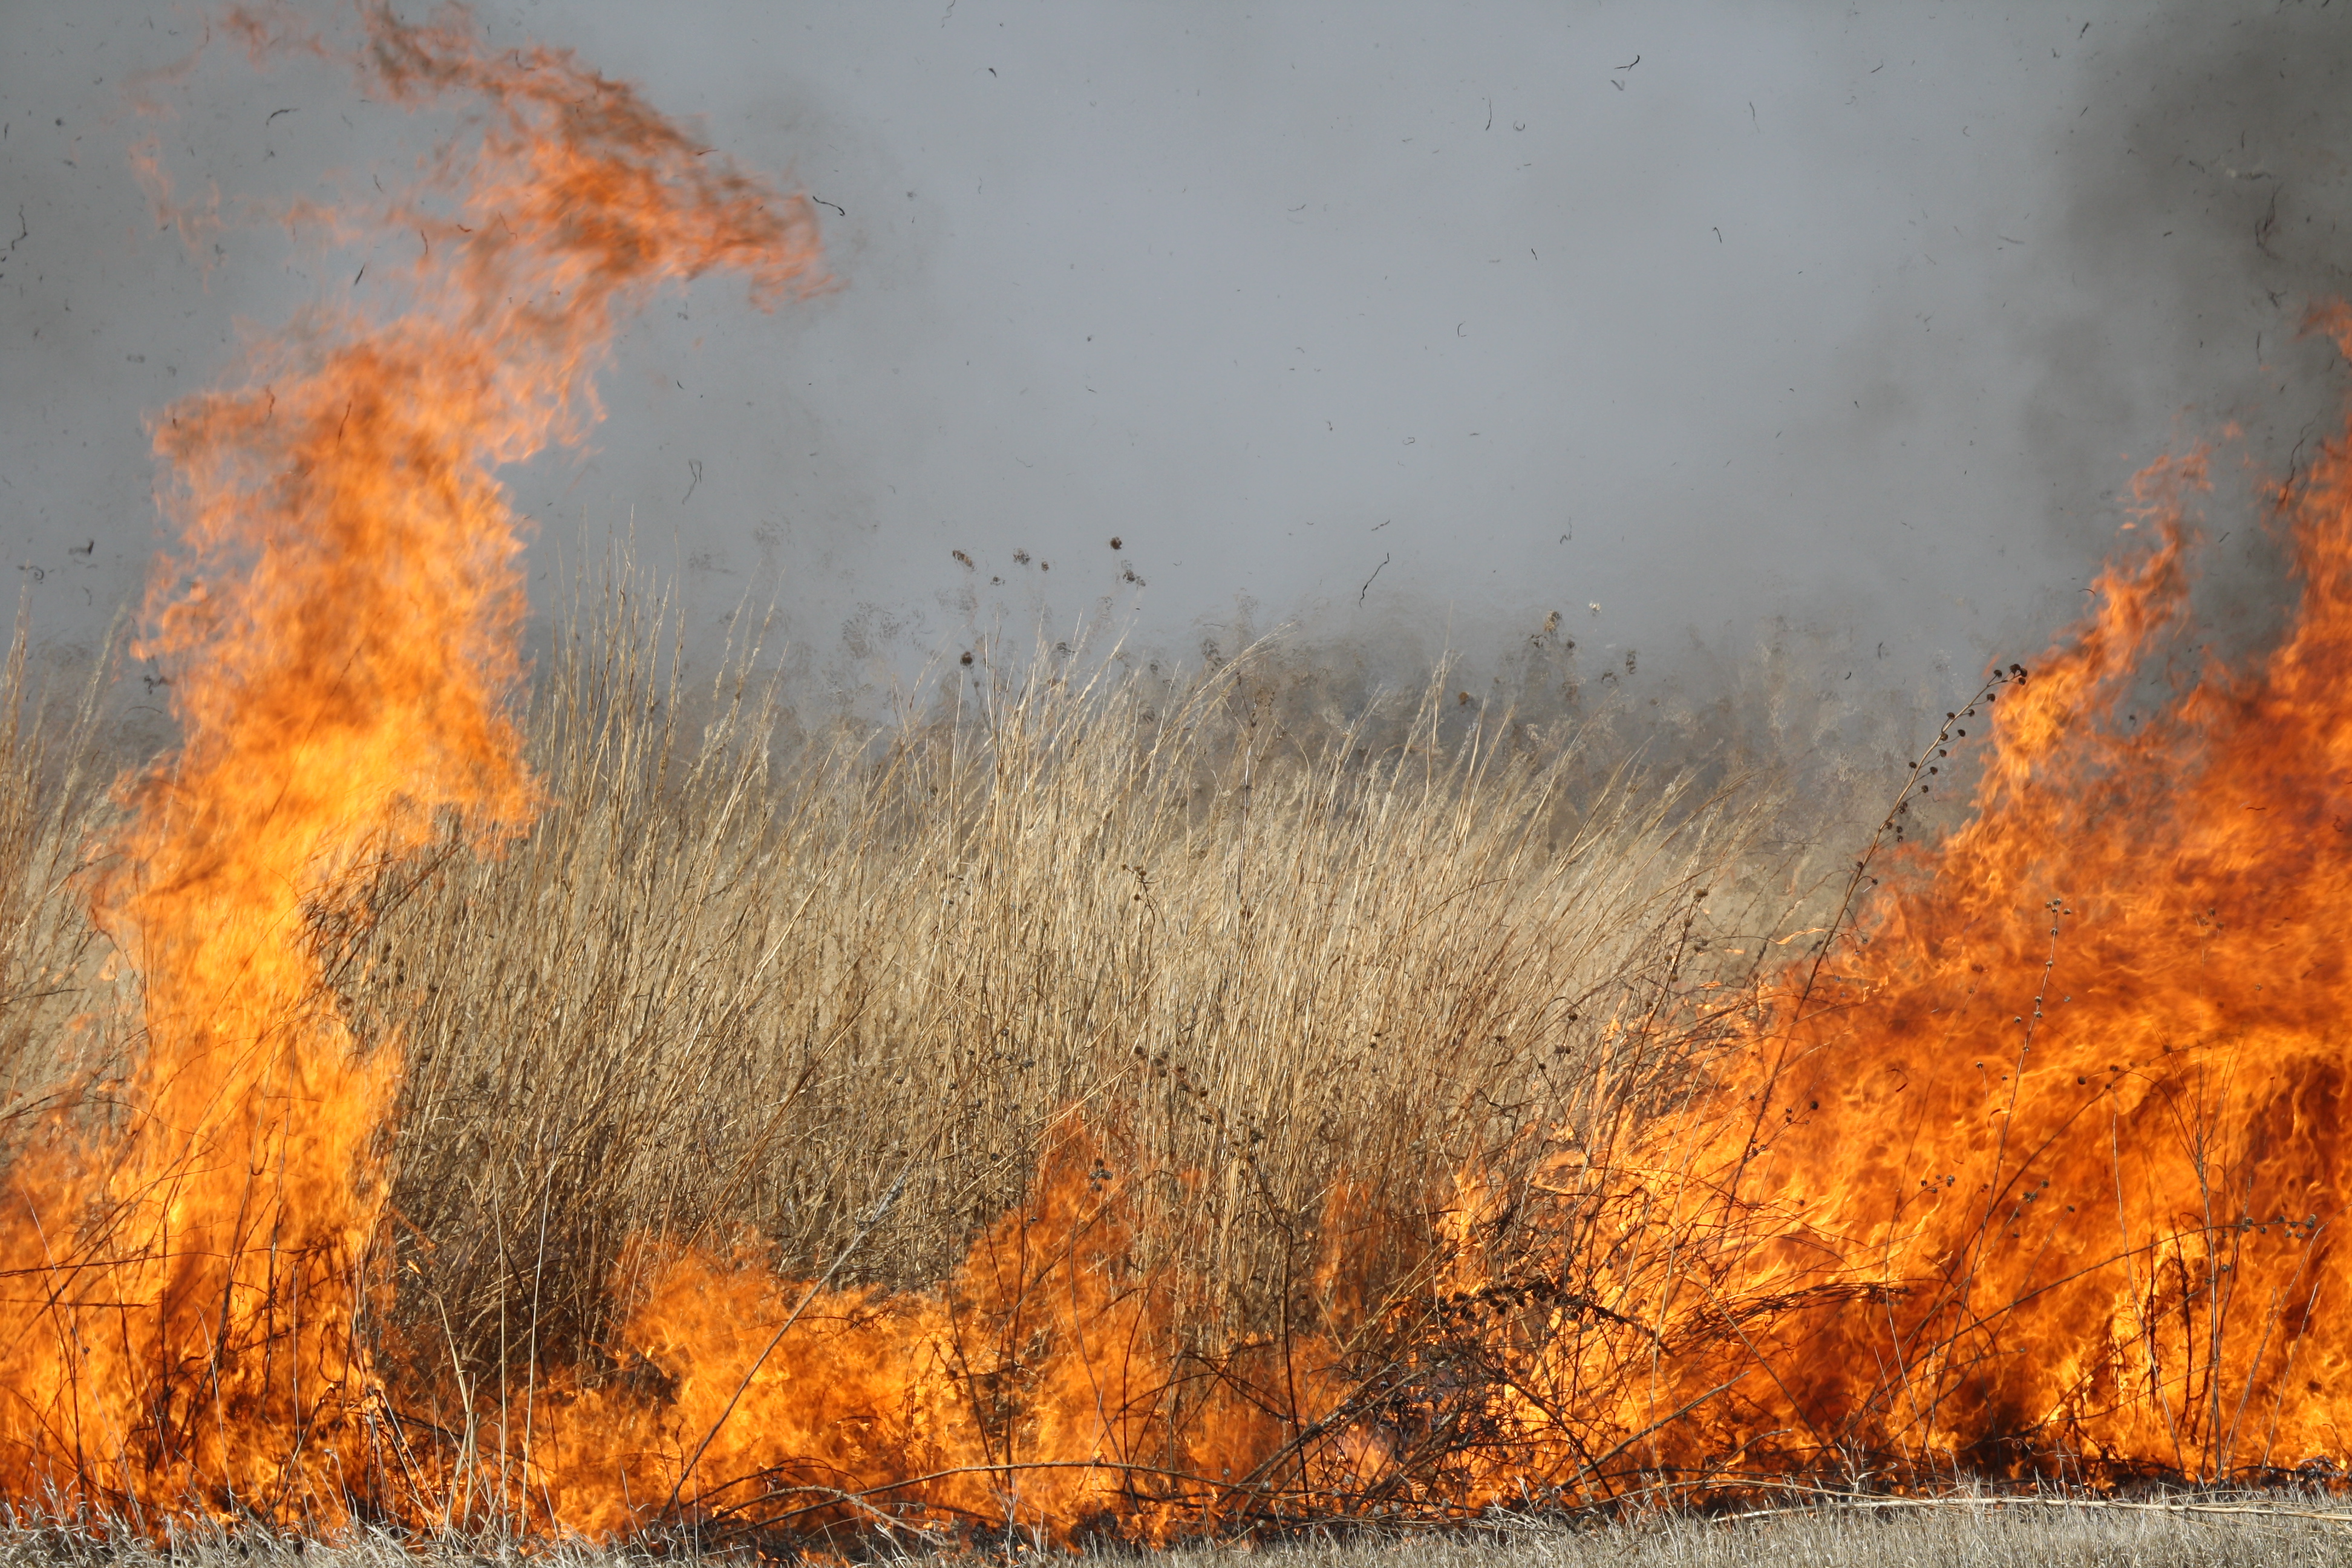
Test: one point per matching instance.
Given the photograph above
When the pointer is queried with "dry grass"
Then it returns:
(1298, 969)
(742, 977)
(67, 1010)
(2272, 1532)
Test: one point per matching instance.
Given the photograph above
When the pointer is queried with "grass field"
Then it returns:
(2277, 1531)
(825, 997)
(1102, 1106)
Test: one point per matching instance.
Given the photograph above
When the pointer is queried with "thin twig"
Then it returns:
(873, 1219)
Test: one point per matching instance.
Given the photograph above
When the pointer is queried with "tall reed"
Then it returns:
(745, 974)
(1333, 989)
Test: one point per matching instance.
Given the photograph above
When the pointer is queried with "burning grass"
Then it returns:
(1100, 1106)
(1082, 1013)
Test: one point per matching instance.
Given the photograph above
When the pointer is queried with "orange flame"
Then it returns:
(1042, 1388)
(2072, 1111)
(341, 626)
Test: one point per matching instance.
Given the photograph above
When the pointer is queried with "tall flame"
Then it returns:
(2076, 1110)
(341, 625)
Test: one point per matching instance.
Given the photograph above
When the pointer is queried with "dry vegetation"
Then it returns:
(751, 981)
(743, 977)
(2279, 1531)
(64, 1021)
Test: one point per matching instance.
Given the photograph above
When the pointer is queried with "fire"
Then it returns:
(2039, 1172)
(183, 1330)
(1041, 1389)
(2072, 1112)
(2033, 1169)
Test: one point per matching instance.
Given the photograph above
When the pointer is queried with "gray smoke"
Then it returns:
(1725, 329)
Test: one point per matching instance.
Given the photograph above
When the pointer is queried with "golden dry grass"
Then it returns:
(1297, 966)
(66, 1008)
(2265, 1531)
(742, 977)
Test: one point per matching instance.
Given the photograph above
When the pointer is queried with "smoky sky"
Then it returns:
(1700, 326)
